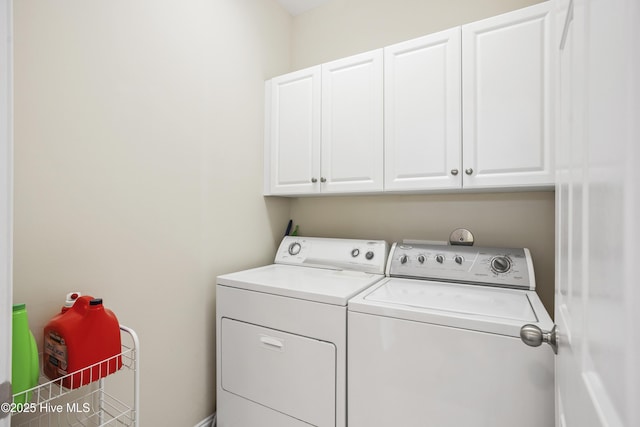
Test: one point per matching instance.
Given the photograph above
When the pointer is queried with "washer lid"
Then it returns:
(313, 284)
(456, 298)
(480, 308)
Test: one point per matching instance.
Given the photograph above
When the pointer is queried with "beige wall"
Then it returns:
(345, 27)
(138, 171)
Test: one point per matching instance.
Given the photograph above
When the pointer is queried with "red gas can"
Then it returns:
(85, 341)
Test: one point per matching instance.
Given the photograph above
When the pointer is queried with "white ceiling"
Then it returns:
(296, 7)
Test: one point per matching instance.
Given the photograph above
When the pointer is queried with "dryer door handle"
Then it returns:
(272, 341)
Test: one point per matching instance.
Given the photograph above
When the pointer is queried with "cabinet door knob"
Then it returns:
(314, 180)
(323, 179)
(454, 172)
(468, 171)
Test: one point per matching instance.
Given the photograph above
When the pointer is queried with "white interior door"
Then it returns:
(598, 209)
(6, 172)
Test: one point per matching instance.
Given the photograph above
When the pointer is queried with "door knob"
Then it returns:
(468, 171)
(534, 336)
(314, 180)
(454, 172)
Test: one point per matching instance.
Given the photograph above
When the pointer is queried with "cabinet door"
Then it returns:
(293, 134)
(506, 100)
(352, 128)
(422, 113)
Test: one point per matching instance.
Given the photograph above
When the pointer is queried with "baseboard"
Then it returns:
(210, 421)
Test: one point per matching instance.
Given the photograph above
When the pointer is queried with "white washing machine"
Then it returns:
(437, 343)
(282, 333)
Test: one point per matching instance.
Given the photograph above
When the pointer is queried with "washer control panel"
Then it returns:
(503, 267)
(367, 256)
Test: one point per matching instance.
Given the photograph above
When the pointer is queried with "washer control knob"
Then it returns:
(459, 259)
(500, 264)
(369, 255)
(421, 259)
(403, 259)
(355, 252)
(294, 248)
(440, 259)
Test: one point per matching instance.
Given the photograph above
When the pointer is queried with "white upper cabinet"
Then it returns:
(352, 128)
(506, 100)
(324, 128)
(292, 159)
(422, 113)
(465, 108)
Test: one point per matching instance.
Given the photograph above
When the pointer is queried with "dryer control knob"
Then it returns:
(369, 255)
(355, 252)
(421, 259)
(403, 259)
(459, 259)
(440, 259)
(294, 248)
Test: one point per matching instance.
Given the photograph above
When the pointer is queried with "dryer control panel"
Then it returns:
(503, 267)
(367, 256)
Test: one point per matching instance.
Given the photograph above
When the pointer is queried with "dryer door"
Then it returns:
(288, 373)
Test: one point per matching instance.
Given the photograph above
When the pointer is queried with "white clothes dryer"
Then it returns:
(282, 333)
(437, 343)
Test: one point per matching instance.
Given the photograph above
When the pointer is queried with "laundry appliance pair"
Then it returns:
(341, 332)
